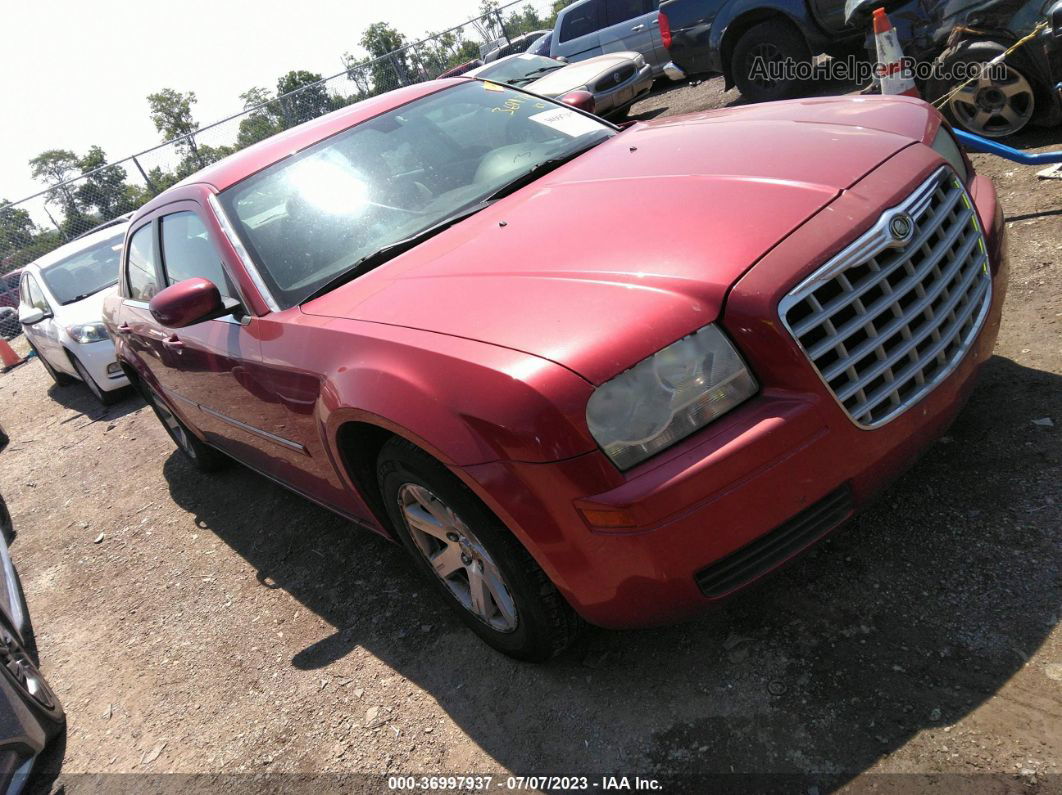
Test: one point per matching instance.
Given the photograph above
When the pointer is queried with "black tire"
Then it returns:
(106, 398)
(61, 379)
(545, 623)
(22, 671)
(987, 108)
(774, 41)
(200, 455)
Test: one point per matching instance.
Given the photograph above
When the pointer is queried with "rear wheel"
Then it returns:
(202, 456)
(103, 396)
(475, 563)
(18, 665)
(762, 49)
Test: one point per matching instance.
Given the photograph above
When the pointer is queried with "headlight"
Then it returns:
(668, 396)
(945, 145)
(88, 332)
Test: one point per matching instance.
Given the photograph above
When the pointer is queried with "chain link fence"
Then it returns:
(68, 208)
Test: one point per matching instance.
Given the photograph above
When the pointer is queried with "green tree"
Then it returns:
(171, 113)
(56, 168)
(309, 100)
(265, 119)
(390, 67)
(105, 187)
(16, 228)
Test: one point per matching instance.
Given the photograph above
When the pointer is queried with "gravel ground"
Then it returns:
(223, 625)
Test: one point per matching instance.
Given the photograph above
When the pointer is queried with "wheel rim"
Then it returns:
(770, 54)
(21, 668)
(457, 557)
(88, 380)
(995, 108)
(173, 425)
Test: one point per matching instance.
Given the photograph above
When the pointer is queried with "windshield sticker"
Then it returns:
(566, 121)
(492, 86)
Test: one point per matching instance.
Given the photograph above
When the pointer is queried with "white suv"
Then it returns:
(61, 310)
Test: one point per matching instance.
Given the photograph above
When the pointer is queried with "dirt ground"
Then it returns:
(222, 625)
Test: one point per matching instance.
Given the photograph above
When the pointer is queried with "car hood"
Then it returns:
(634, 244)
(87, 310)
(578, 74)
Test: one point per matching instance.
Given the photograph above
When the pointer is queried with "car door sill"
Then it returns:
(243, 426)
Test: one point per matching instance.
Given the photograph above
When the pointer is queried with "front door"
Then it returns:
(45, 333)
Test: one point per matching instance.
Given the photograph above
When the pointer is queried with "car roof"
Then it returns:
(238, 166)
(87, 240)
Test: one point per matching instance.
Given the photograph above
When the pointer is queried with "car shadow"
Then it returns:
(77, 397)
(909, 618)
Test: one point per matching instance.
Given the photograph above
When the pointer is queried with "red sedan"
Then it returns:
(579, 372)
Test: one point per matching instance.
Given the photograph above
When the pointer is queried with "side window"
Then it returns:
(140, 265)
(617, 11)
(581, 20)
(35, 297)
(187, 252)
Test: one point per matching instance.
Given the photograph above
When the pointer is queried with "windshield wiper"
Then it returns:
(540, 170)
(392, 250)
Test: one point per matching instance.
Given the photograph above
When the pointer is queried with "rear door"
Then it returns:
(578, 29)
(633, 25)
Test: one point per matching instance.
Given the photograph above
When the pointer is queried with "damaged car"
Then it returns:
(442, 313)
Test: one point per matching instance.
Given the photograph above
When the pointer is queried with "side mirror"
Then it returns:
(1055, 17)
(32, 315)
(188, 302)
(560, 58)
(583, 100)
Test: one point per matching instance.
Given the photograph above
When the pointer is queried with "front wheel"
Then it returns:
(61, 379)
(764, 58)
(105, 397)
(475, 563)
(202, 456)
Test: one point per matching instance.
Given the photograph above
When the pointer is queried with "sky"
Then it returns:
(74, 74)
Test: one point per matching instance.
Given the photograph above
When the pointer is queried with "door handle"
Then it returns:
(636, 28)
(125, 328)
(173, 343)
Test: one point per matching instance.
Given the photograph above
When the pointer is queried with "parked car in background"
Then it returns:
(461, 69)
(30, 713)
(61, 311)
(9, 325)
(541, 45)
(515, 45)
(439, 313)
(588, 28)
(727, 36)
(615, 81)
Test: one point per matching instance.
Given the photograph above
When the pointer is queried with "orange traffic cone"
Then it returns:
(895, 74)
(8, 355)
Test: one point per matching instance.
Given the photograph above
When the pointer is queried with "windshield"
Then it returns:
(313, 216)
(520, 69)
(85, 273)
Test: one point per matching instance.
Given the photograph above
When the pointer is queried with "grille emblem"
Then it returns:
(901, 227)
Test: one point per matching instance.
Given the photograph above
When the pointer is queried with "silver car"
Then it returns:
(588, 28)
(616, 80)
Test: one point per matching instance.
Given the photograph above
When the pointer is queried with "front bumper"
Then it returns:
(786, 454)
(99, 359)
(626, 94)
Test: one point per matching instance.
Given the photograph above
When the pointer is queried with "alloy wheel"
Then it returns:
(21, 668)
(995, 108)
(457, 557)
(89, 381)
(173, 425)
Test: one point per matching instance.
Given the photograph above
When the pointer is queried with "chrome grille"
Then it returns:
(893, 314)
